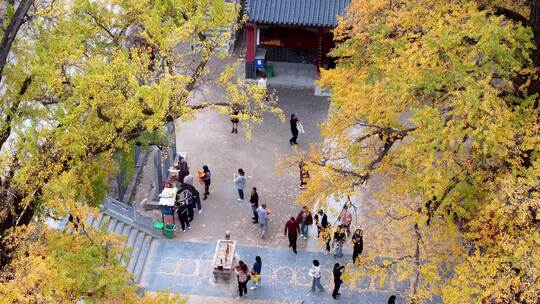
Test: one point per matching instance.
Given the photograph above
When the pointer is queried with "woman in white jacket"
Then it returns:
(315, 272)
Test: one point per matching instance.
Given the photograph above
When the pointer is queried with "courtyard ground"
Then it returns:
(208, 141)
(184, 265)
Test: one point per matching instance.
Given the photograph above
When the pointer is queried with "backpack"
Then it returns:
(186, 196)
(243, 277)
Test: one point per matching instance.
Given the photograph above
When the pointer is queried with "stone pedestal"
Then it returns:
(224, 260)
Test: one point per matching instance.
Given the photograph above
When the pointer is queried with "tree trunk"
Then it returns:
(11, 32)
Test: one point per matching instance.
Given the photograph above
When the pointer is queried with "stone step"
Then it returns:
(97, 221)
(142, 257)
(125, 234)
(131, 238)
(118, 231)
(119, 228)
(90, 220)
(136, 251)
(128, 247)
(104, 222)
(136, 242)
(111, 225)
(147, 228)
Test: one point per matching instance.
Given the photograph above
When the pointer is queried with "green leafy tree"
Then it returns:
(435, 127)
(85, 81)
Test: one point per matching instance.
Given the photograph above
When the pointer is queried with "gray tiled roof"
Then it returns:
(296, 12)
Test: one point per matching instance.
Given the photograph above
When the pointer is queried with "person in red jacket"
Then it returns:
(305, 220)
(292, 230)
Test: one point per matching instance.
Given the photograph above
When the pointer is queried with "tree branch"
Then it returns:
(209, 105)
(366, 136)
(102, 116)
(102, 26)
(388, 264)
(5, 132)
(208, 50)
(47, 100)
(509, 14)
(392, 135)
(11, 32)
(390, 140)
(417, 259)
(395, 218)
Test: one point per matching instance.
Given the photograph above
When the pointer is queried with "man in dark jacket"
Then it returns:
(339, 239)
(185, 197)
(183, 168)
(196, 199)
(292, 229)
(321, 220)
(338, 270)
(294, 130)
(190, 195)
(182, 212)
(254, 200)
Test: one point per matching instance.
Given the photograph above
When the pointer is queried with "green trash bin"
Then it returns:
(169, 231)
(269, 71)
(159, 225)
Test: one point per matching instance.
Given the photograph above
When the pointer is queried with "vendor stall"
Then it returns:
(168, 196)
(167, 200)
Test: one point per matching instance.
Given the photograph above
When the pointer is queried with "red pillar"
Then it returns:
(250, 42)
(320, 49)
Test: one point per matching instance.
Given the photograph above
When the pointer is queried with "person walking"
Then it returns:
(304, 174)
(305, 219)
(207, 180)
(186, 196)
(315, 273)
(294, 130)
(358, 243)
(345, 218)
(326, 235)
(242, 275)
(254, 201)
(262, 81)
(338, 270)
(262, 214)
(235, 119)
(240, 182)
(292, 230)
(195, 200)
(183, 218)
(256, 273)
(321, 220)
(339, 240)
(183, 169)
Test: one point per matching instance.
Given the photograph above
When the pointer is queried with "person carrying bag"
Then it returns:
(242, 274)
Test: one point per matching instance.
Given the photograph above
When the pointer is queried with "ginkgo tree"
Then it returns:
(435, 121)
(82, 82)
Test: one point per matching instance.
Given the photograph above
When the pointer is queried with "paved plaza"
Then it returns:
(184, 264)
(208, 141)
(186, 268)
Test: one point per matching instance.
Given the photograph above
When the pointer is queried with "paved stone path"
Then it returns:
(208, 141)
(185, 267)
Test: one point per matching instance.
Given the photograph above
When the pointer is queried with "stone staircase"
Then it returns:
(138, 231)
